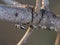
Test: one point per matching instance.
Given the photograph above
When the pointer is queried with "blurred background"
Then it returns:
(10, 35)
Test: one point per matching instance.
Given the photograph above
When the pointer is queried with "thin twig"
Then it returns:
(57, 41)
(45, 4)
(42, 7)
(38, 5)
(24, 38)
(16, 4)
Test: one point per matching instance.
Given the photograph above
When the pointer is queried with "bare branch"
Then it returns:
(57, 41)
(13, 3)
(45, 4)
(38, 6)
(16, 4)
(24, 15)
(25, 37)
(14, 14)
(10, 2)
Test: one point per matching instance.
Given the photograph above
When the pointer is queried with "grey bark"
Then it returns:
(50, 21)
(44, 19)
(15, 14)
(10, 2)
(24, 16)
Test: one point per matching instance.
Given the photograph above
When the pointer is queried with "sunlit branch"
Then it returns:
(45, 4)
(38, 6)
(25, 37)
(57, 41)
(16, 4)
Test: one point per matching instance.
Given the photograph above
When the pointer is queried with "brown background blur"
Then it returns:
(10, 35)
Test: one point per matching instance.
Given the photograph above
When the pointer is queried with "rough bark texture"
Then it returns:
(24, 15)
(50, 20)
(18, 15)
(14, 14)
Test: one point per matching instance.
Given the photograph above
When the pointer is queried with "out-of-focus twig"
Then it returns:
(57, 41)
(45, 4)
(42, 7)
(16, 4)
(25, 37)
(41, 4)
(38, 6)
(10, 2)
(13, 3)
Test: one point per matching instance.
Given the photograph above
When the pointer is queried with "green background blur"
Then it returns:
(10, 35)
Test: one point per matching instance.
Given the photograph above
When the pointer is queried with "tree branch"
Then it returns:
(16, 4)
(25, 15)
(57, 41)
(13, 3)
(25, 37)
(14, 14)
(10, 2)
(45, 4)
(38, 6)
